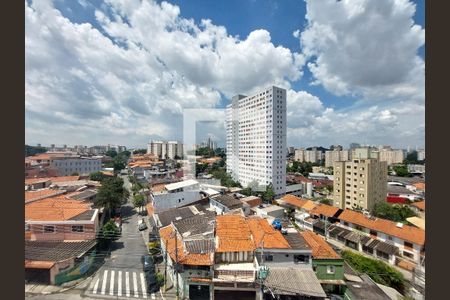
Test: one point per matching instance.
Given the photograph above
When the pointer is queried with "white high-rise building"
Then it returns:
(256, 139)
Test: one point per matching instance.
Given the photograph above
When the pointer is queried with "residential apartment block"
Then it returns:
(392, 156)
(256, 138)
(165, 149)
(335, 155)
(359, 183)
(312, 155)
(81, 165)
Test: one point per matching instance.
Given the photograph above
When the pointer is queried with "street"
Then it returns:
(121, 276)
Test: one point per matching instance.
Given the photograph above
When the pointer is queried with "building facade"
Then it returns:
(359, 183)
(165, 149)
(81, 165)
(390, 156)
(335, 155)
(256, 138)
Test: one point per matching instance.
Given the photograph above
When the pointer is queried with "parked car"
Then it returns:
(152, 282)
(148, 264)
(142, 226)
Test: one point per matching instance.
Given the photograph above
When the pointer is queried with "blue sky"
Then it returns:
(354, 71)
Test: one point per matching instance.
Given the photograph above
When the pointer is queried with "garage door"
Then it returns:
(198, 292)
(37, 276)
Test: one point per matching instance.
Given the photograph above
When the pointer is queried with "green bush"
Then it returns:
(379, 271)
(159, 279)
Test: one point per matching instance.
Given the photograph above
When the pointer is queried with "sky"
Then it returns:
(123, 71)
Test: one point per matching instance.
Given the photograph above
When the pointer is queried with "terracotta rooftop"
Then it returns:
(419, 185)
(29, 181)
(168, 237)
(58, 208)
(420, 205)
(298, 202)
(320, 248)
(40, 194)
(325, 210)
(263, 232)
(233, 234)
(252, 201)
(406, 232)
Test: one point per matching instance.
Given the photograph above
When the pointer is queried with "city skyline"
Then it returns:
(103, 80)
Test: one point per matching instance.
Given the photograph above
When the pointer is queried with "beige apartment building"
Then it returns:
(335, 155)
(390, 156)
(359, 183)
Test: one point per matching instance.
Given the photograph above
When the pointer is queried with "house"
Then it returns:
(33, 195)
(403, 242)
(250, 203)
(326, 212)
(190, 244)
(419, 208)
(37, 183)
(292, 283)
(60, 218)
(294, 202)
(176, 195)
(401, 191)
(294, 189)
(327, 264)
(224, 203)
(45, 261)
(235, 266)
(365, 288)
(165, 218)
(269, 211)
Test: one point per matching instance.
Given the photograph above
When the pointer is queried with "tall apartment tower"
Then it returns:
(165, 149)
(335, 155)
(359, 183)
(256, 138)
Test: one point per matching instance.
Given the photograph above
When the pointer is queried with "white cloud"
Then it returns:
(134, 82)
(367, 48)
(310, 123)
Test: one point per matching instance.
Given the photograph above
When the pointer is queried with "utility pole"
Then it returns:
(165, 266)
(176, 263)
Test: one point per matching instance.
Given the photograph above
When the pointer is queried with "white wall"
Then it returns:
(172, 200)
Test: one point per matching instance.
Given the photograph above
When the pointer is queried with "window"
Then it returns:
(408, 245)
(27, 227)
(331, 269)
(301, 258)
(77, 228)
(268, 257)
(408, 254)
(346, 223)
(389, 238)
(49, 229)
(374, 233)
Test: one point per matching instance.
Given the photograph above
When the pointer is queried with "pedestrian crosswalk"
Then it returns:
(120, 283)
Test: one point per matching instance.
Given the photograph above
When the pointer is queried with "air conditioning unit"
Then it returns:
(399, 225)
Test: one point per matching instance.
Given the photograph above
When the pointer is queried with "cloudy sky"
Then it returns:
(123, 71)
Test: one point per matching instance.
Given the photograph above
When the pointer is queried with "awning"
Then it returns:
(353, 237)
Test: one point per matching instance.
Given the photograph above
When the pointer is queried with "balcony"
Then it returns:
(234, 272)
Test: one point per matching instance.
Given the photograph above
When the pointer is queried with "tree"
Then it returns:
(97, 176)
(247, 191)
(411, 157)
(326, 201)
(109, 232)
(378, 270)
(393, 212)
(140, 151)
(136, 187)
(138, 201)
(269, 194)
(110, 194)
(111, 153)
(401, 170)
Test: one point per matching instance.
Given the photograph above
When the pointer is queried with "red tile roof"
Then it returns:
(263, 232)
(298, 202)
(40, 194)
(420, 205)
(233, 234)
(320, 248)
(325, 210)
(406, 232)
(57, 208)
(168, 237)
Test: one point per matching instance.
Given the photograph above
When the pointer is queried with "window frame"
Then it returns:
(44, 227)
